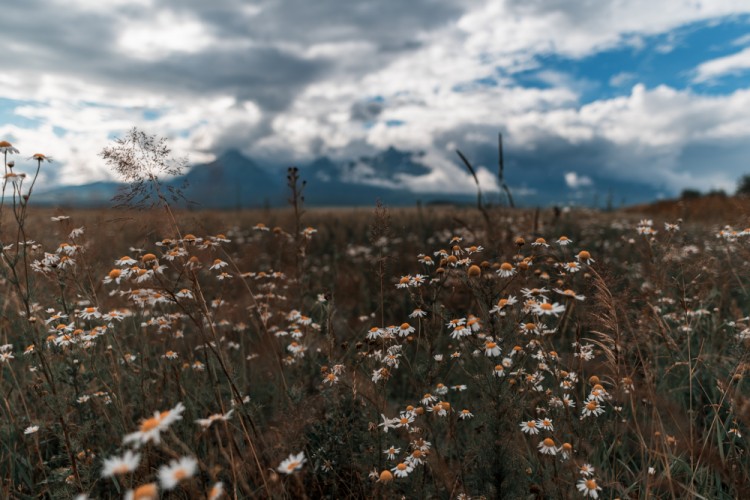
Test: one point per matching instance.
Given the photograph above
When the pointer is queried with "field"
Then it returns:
(377, 353)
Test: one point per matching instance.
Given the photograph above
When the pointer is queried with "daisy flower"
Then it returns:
(586, 470)
(570, 294)
(402, 469)
(218, 264)
(464, 414)
(405, 329)
(491, 348)
(177, 470)
(151, 428)
(385, 476)
(206, 422)
(392, 452)
(545, 308)
(388, 423)
(584, 257)
(547, 447)
(529, 427)
(292, 463)
(216, 492)
(589, 488)
(31, 429)
(498, 371)
(572, 267)
(418, 313)
(564, 241)
(506, 270)
(416, 457)
(546, 424)
(121, 465)
(148, 491)
(591, 407)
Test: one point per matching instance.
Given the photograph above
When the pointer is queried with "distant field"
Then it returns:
(376, 353)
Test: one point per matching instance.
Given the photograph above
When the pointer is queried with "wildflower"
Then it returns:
(506, 270)
(404, 420)
(564, 241)
(464, 414)
(392, 452)
(388, 423)
(90, 312)
(566, 451)
(170, 355)
(591, 407)
(547, 447)
(572, 267)
(546, 424)
(540, 242)
(418, 313)
(375, 333)
(529, 427)
(498, 371)
(206, 422)
(125, 261)
(380, 374)
(586, 470)
(545, 308)
(491, 348)
(5, 356)
(416, 458)
(147, 491)
(177, 470)
(405, 329)
(402, 469)
(7, 148)
(31, 429)
(502, 304)
(121, 465)
(151, 428)
(292, 463)
(385, 476)
(330, 378)
(216, 492)
(570, 294)
(589, 488)
(527, 328)
(585, 257)
(426, 260)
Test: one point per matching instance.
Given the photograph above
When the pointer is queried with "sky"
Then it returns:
(590, 95)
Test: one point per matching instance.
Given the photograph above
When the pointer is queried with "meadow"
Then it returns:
(430, 352)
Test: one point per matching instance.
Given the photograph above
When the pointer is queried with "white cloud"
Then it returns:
(165, 34)
(574, 181)
(723, 66)
(281, 80)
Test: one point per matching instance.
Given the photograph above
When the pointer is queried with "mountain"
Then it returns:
(232, 180)
(236, 181)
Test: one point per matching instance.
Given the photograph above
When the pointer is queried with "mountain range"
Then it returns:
(235, 181)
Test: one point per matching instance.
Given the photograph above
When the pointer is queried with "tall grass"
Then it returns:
(370, 354)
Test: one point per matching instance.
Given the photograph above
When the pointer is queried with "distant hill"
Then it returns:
(714, 208)
(236, 181)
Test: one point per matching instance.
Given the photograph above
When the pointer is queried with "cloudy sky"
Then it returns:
(589, 94)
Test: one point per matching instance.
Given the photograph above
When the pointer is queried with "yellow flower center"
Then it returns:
(150, 424)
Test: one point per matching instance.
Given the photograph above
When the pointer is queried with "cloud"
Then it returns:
(728, 65)
(574, 181)
(285, 81)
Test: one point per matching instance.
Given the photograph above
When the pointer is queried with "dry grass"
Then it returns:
(309, 344)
